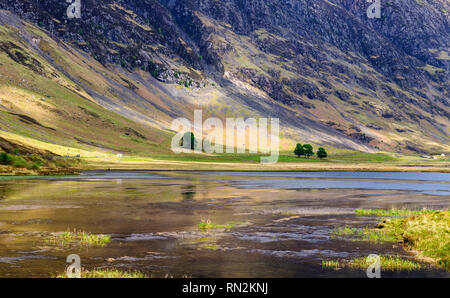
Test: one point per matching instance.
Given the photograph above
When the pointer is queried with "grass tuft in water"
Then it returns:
(393, 212)
(210, 246)
(330, 264)
(81, 238)
(363, 234)
(390, 263)
(427, 234)
(108, 273)
(207, 225)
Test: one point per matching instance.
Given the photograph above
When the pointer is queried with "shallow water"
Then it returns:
(282, 221)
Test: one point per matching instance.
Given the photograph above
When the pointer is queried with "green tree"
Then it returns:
(5, 159)
(322, 153)
(299, 151)
(308, 150)
(188, 141)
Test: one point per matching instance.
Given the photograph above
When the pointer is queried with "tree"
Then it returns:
(321, 153)
(5, 159)
(299, 151)
(188, 141)
(308, 150)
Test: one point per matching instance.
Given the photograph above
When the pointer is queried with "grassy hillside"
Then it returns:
(42, 107)
(59, 96)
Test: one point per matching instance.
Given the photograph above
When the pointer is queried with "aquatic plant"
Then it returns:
(206, 224)
(391, 263)
(108, 273)
(81, 238)
(427, 234)
(210, 246)
(383, 212)
(363, 234)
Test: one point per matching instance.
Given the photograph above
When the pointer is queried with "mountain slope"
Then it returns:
(127, 68)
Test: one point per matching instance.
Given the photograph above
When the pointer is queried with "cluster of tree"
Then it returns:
(308, 151)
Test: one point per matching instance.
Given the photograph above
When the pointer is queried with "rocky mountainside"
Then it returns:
(332, 75)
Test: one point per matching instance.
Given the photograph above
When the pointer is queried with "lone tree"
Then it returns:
(299, 151)
(5, 159)
(321, 153)
(308, 150)
(188, 141)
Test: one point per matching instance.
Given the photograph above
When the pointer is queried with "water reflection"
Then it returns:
(153, 222)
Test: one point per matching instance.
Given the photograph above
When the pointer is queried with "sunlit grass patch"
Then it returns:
(387, 263)
(108, 273)
(206, 240)
(330, 264)
(428, 234)
(390, 263)
(208, 225)
(210, 246)
(209, 243)
(383, 212)
(363, 234)
(81, 238)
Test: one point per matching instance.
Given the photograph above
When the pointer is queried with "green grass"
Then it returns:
(207, 225)
(428, 234)
(363, 234)
(383, 212)
(81, 238)
(425, 232)
(18, 161)
(210, 246)
(335, 157)
(363, 157)
(283, 157)
(331, 264)
(108, 273)
(5, 178)
(41, 165)
(390, 263)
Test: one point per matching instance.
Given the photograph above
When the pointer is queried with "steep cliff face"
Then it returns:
(331, 74)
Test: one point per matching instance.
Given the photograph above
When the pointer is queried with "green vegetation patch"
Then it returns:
(207, 225)
(391, 263)
(363, 234)
(18, 161)
(383, 212)
(210, 246)
(108, 273)
(81, 238)
(428, 234)
(365, 157)
(44, 165)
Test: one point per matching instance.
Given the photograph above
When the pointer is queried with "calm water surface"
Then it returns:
(282, 221)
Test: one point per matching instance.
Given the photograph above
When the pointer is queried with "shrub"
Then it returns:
(36, 165)
(19, 162)
(5, 159)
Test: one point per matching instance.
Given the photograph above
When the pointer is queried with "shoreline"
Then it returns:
(175, 166)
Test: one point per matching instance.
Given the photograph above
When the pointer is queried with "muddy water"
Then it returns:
(282, 221)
